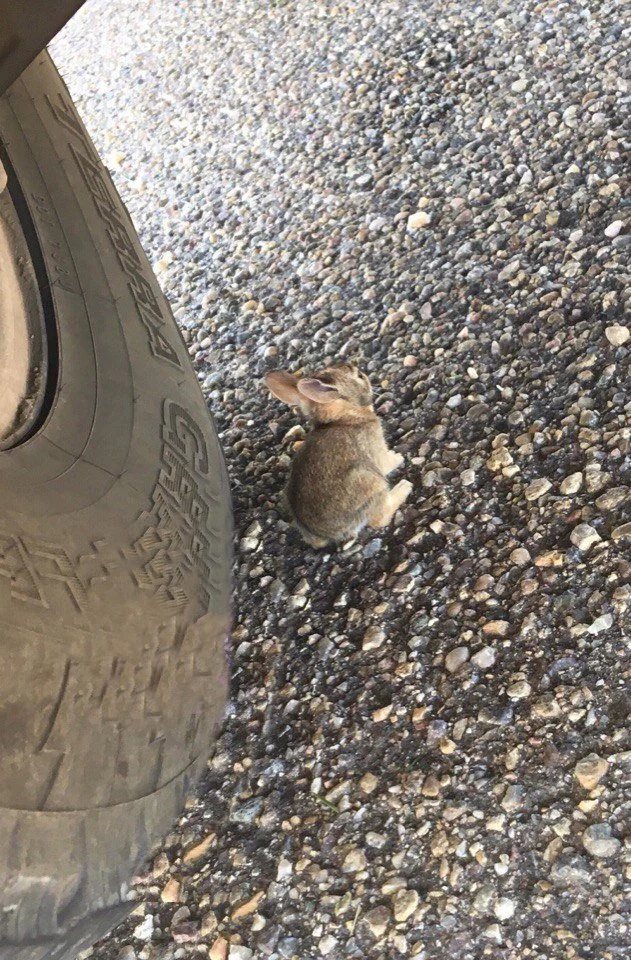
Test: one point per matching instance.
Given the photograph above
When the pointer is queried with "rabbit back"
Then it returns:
(335, 480)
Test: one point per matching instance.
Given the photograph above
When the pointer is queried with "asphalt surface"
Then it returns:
(427, 751)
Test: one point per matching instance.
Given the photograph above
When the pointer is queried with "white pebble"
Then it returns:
(484, 658)
(504, 908)
(617, 334)
(613, 229)
(418, 220)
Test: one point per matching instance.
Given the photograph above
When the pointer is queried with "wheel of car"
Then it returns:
(115, 538)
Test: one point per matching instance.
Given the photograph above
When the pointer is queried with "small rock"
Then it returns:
(537, 488)
(418, 220)
(621, 533)
(513, 798)
(373, 638)
(171, 891)
(250, 906)
(612, 498)
(617, 334)
(571, 484)
(614, 228)
(219, 949)
(354, 861)
(456, 658)
(127, 953)
(519, 690)
(247, 812)
(499, 459)
(509, 270)
(431, 786)
(239, 952)
(590, 771)
(327, 945)
(382, 713)
(600, 624)
(547, 708)
(598, 841)
(377, 921)
(504, 908)
(248, 544)
(493, 932)
(198, 850)
(209, 924)
(571, 871)
(496, 628)
(584, 536)
(436, 729)
(144, 930)
(368, 783)
(484, 658)
(520, 557)
(185, 932)
(405, 903)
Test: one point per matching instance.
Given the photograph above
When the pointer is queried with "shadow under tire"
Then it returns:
(115, 554)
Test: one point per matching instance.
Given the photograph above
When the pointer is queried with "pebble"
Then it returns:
(600, 624)
(418, 220)
(354, 861)
(171, 891)
(520, 557)
(590, 770)
(327, 945)
(584, 536)
(405, 903)
(373, 638)
(369, 782)
(239, 952)
(144, 930)
(496, 628)
(571, 484)
(378, 920)
(504, 908)
(613, 498)
(621, 533)
(617, 334)
(484, 658)
(599, 842)
(219, 949)
(613, 229)
(537, 488)
(513, 798)
(456, 658)
(519, 690)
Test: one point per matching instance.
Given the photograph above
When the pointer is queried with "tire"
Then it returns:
(115, 553)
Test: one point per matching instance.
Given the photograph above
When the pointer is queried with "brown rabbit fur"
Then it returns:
(337, 483)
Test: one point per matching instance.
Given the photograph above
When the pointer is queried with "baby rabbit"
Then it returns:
(337, 483)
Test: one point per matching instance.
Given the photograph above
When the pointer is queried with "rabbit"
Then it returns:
(337, 483)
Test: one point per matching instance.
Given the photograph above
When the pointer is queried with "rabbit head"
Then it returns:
(333, 393)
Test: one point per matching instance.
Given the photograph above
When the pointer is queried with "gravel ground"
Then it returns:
(427, 746)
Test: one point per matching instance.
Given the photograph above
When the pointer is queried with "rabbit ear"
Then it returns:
(317, 391)
(284, 386)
